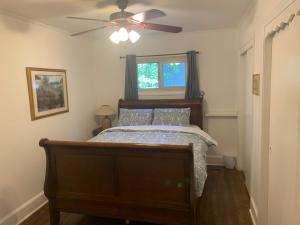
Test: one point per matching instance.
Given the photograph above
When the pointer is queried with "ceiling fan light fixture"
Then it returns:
(134, 36)
(123, 34)
(126, 20)
(114, 37)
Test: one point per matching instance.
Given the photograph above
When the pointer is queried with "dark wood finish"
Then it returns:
(88, 19)
(148, 183)
(54, 213)
(87, 31)
(97, 131)
(224, 202)
(147, 15)
(159, 27)
(195, 105)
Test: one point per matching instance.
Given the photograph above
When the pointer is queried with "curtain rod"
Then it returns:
(142, 56)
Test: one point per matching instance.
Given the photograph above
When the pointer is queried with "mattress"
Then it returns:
(166, 135)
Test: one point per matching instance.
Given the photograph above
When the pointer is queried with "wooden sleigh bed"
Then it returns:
(141, 182)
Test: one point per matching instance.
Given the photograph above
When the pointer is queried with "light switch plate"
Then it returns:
(256, 84)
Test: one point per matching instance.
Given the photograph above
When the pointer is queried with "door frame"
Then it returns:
(243, 51)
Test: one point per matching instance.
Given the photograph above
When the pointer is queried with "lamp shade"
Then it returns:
(123, 34)
(105, 110)
(134, 36)
(115, 37)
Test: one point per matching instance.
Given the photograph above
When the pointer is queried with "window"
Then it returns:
(174, 74)
(148, 75)
(162, 74)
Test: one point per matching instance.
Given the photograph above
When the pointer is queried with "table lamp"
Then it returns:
(105, 114)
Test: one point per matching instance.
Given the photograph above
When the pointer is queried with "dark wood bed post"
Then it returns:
(144, 182)
(54, 215)
(49, 185)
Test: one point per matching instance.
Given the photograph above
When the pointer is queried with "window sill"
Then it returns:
(160, 93)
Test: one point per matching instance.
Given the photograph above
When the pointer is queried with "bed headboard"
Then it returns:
(196, 106)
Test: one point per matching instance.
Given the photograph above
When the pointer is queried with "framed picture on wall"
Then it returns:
(48, 93)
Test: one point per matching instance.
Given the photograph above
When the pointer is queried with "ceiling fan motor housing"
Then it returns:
(122, 4)
(120, 15)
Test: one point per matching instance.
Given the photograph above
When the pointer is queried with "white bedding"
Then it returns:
(190, 129)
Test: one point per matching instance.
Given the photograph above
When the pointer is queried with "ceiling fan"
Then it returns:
(127, 21)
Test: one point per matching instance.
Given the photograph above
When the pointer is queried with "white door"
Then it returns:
(284, 163)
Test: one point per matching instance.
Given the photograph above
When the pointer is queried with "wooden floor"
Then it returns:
(225, 201)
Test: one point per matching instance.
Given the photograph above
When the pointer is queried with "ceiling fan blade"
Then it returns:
(147, 15)
(159, 27)
(86, 31)
(90, 19)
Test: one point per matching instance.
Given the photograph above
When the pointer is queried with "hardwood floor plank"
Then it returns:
(225, 201)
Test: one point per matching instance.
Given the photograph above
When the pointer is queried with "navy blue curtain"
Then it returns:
(131, 83)
(192, 86)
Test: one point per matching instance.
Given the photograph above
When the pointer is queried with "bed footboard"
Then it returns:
(148, 183)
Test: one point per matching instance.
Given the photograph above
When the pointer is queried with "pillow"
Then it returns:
(172, 116)
(135, 117)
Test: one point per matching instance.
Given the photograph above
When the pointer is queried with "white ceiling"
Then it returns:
(190, 14)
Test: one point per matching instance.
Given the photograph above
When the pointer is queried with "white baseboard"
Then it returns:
(25, 210)
(253, 211)
(214, 160)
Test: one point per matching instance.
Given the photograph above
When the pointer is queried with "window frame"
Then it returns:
(161, 61)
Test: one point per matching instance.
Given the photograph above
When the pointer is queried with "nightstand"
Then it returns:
(97, 131)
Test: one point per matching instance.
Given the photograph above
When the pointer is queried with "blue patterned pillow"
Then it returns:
(135, 117)
(172, 116)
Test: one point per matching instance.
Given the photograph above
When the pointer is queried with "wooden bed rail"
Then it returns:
(148, 183)
(44, 142)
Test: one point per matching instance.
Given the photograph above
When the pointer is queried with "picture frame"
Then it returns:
(48, 92)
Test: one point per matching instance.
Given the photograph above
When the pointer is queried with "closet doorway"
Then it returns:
(281, 120)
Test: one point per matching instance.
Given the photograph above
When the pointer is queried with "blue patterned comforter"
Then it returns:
(166, 135)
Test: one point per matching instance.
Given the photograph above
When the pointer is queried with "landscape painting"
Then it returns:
(47, 92)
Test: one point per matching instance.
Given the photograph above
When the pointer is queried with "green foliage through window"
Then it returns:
(148, 75)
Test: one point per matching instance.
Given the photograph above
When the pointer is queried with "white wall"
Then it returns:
(95, 76)
(251, 29)
(245, 119)
(218, 74)
(22, 161)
